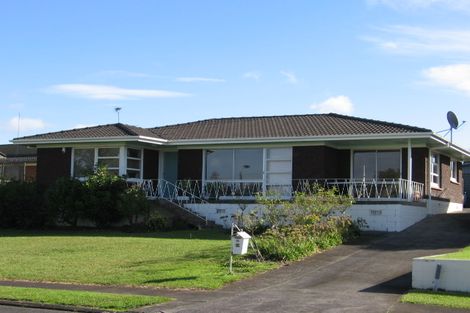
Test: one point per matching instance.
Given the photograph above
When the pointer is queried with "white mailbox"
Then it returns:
(240, 242)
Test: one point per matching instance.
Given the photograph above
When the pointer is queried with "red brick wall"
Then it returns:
(320, 162)
(190, 164)
(52, 163)
(150, 164)
(449, 190)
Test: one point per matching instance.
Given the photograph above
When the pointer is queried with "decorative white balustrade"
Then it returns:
(194, 191)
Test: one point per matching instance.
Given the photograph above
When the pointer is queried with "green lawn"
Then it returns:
(463, 254)
(452, 300)
(184, 259)
(95, 300)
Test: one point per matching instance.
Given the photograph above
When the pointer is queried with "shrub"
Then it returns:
(293, 242)
(157, 222)
(22, 205)
(66, 200)
(133, 203)
(103, 193)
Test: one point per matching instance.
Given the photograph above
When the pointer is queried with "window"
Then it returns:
(109, 158)
(83, 162)
(435, 170)
(234, 164)
(376, 164)
(134, 159)
(454, 176)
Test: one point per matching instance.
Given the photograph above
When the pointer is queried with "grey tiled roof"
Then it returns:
(101, 131)
(281, 126)
(286, 126)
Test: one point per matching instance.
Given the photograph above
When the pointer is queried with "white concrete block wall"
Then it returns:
(443, 207)
(387, 217)
(455, 274)
(381, 217)
(216, 211)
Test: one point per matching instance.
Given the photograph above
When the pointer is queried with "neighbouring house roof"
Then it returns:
(16, 153)
(307, 125)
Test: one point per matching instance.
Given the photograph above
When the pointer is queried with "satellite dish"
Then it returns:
(453, 120)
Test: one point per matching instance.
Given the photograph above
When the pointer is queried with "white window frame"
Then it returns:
(122, 157)
(438, 174)
(141, 160)
(454, 170)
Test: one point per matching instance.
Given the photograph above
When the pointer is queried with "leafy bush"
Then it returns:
(157, 222)
(293, 242)
(22, 205)
(297, 228)
(133, 203)
(66, 200)
(103, 193)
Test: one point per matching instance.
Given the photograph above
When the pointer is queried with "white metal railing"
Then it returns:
(196, 191)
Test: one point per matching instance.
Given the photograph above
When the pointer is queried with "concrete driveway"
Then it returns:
(366, 276)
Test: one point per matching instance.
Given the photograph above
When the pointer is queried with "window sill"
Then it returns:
(436, 188)
(453, 181)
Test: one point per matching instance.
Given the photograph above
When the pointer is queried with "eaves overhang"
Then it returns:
(215, 141)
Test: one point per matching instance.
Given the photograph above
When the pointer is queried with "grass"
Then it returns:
(183, 259)
(463, 254)
(95, 300)
(446, 299)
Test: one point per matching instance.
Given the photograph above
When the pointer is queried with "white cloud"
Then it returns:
(403, 39)
(121, 73)
(337, 104)
(252, 75)
(457, 5)
(106, 92)
(291, 77)
(197, 79)
(455, 77)
(25, 124)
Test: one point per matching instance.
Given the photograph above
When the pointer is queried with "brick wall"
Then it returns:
(449, 191)
(150, 164)
(52, 163)
(320, 162)
(190, 164)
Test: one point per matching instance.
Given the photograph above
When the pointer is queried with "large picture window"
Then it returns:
(83, 162)
(234, 164)
(376, 164)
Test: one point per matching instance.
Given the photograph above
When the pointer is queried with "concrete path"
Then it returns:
(366, 276)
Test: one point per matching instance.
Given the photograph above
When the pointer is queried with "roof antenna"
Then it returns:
(117, 109)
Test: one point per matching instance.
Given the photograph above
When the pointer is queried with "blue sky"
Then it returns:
(66, 64)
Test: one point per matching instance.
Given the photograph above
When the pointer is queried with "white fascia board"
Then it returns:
(90, 140)
(299, 139)
(446, 144)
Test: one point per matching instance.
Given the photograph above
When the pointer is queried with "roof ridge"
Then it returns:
(370, 120)
(241, 118)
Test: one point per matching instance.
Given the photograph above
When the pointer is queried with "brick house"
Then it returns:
(17, 163)
(397, 173)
